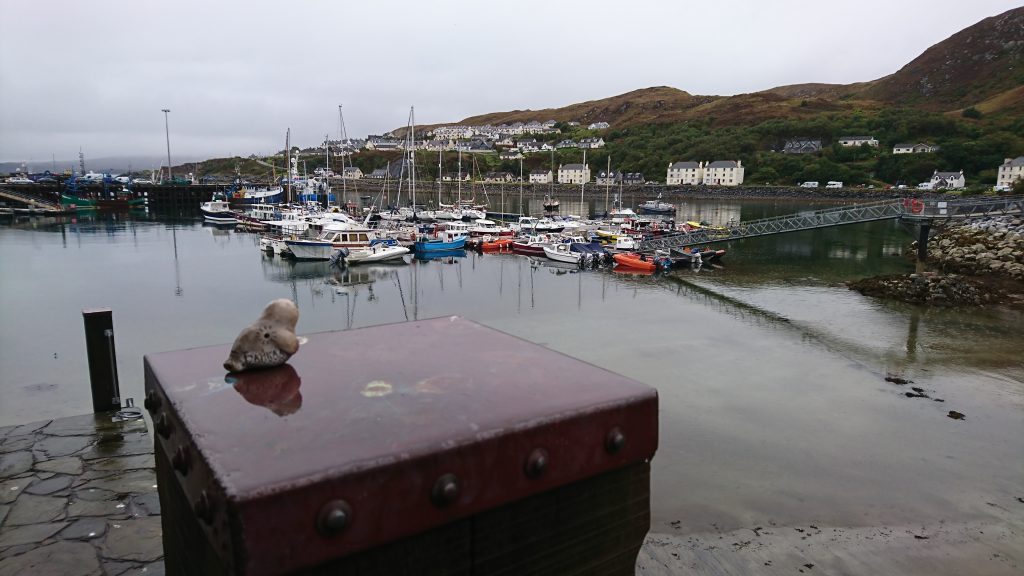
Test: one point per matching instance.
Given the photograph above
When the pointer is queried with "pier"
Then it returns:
(911, 210)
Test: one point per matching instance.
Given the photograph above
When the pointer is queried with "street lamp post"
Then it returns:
(167, 131)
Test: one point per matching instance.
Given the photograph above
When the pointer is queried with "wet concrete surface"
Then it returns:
(78, 497)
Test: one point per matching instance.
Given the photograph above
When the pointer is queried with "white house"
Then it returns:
(573, 174)
(352, 173)
(723, 173)
(592, 143)
(947, 180)
(1010, 171)
(857, 141)
(497, 177)
(567, 144)
(540, 177)
(912, 148)
(455, 177)
(608, 179)
(511, 154)
(685, 173)
(598, 126)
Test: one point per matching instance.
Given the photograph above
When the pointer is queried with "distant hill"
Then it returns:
(981, 65)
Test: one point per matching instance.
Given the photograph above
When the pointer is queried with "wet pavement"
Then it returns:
(78, 497)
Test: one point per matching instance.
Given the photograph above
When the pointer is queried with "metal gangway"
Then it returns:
(29, 200)
(913, 210)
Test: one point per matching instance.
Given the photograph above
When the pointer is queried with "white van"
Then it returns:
(834, 184)
(811, 184)
(924, 186)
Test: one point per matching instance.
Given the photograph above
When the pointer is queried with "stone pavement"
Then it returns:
(78, 497)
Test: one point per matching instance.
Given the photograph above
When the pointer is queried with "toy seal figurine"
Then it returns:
(270, 341)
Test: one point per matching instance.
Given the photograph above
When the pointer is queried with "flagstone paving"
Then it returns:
(78, 497)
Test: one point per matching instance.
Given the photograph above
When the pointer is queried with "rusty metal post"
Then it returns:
(99, 348)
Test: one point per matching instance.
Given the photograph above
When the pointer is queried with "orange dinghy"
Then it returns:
(635, 261)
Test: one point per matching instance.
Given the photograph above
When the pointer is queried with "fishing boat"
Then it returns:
(551, 204)
(656, 206)
(634, 261)
(250, 195)
(218, 210)
(561, 252)
(443, 237)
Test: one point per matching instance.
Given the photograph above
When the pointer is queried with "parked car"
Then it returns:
(834, 184)
(809, 184)
(924, 186)
(1001, 188)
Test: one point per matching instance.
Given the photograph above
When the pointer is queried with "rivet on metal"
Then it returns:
(182, 460)
(614, 440)
(536, 463)
(333, 518)
(163, 425)
(446, 490)
(152, 401)
(204, 507)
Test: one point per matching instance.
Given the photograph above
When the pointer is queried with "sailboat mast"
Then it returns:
(439, 152)
(460, 175)
(520, 184)
(583, 182)
(607, 182)
(327, 169)
(342, 138)
(412, 156)
(288, 166)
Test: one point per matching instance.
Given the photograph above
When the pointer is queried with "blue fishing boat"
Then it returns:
(443, 237)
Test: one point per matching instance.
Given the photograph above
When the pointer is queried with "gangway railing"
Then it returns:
(912, 209)
(28, 199)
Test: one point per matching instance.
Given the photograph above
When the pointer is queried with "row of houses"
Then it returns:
(714, 173)
(504, 130)
(812, 145)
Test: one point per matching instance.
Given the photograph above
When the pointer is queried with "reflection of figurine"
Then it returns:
(269, 341)
(276, 389)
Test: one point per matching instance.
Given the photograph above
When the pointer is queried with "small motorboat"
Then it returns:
(635, 261)
(561, 253)
(383, 251)
(656, 206)
(218, 211)
(531, 245)
(490, 244)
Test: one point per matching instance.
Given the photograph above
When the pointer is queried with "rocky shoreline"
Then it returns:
(977, 263)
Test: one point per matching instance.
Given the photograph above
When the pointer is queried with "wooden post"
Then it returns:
(99, 347)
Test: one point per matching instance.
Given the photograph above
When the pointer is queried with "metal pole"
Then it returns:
(99, 347)
(167, 131)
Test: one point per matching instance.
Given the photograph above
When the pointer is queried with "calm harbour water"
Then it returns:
(770, 372)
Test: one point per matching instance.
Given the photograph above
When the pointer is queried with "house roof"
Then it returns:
(948, 174)
(1018, 161)
(352, 169)
(540, 172)
(684, 165)
(856, 138)
(573, 167)
(722, 164)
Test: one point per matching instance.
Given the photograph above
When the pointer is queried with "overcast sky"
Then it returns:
(95, 74)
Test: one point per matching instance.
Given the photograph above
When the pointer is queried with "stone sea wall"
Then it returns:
(989, 246)
(977, 263)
